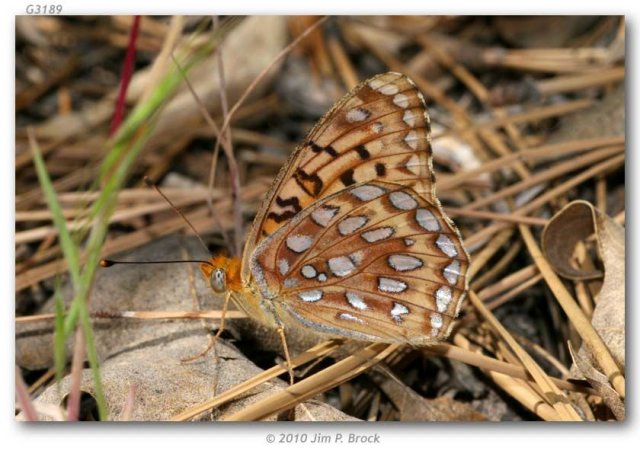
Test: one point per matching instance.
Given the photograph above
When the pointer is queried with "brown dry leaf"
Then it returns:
(575, 222)
(600, 383)
(164, 386)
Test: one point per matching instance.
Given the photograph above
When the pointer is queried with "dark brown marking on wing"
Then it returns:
(363, 152)
(311, 184)
(347, 178)
(292, 202)
(332, 152)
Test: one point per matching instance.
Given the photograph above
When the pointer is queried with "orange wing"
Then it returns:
(375, 261)
(379, 131)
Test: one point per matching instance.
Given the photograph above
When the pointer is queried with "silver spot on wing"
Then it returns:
(402, 200)
(323, 215)
(391, 285)
(367, 192)
(299, 243)
(443, 298)
(398, 311)
(310, 296)
(356, 301)
(403, 262)
(445, 244)
(351, 224)
(452, 271)
(341, 266)
(378, 234)
(427, 220)
(309, 272)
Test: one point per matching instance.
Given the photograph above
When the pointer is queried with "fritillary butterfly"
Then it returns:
(351, 240)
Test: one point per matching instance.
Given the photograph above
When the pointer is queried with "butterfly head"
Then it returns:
(223, 274)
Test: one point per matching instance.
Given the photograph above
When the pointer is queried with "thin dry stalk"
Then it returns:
(347, 73)
(42, 380)
(467, 212)
(514, 292)
(507, 282)
(326, 379)
(517, 388)
(473, 84)
(502, 264)
(142, 315)
(209, 195)
(480, 260)
(554, 396)
(497, 145)
(461, 353)
(55, 267)
(572, 83)
(526, 396)
(229, 116)
(200, 219)
(542, 352)
(551, 60)
(263, 73)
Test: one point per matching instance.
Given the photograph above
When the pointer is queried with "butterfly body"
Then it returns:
(351, 240)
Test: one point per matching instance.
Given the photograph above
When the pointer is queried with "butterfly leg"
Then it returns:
(286, 354)
(214, 340)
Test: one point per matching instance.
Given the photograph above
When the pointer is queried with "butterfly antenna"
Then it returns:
(106, 263)
(153, 185)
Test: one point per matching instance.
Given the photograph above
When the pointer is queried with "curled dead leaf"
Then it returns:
(574, 223)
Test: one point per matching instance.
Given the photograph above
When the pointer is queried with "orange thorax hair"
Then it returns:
(231, 267)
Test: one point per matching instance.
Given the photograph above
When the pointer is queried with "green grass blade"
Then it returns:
(59, 349)
(69, 248)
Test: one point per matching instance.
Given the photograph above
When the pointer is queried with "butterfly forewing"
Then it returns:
(379, 131)
(351, 240)
(373, 261)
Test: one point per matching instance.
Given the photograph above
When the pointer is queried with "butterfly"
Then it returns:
(351, 240)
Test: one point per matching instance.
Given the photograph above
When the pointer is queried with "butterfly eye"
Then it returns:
(218, 280)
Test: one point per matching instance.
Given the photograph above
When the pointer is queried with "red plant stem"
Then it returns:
(125, 77)
(22, 394)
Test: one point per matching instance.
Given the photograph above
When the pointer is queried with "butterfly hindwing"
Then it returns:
(372, 261)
